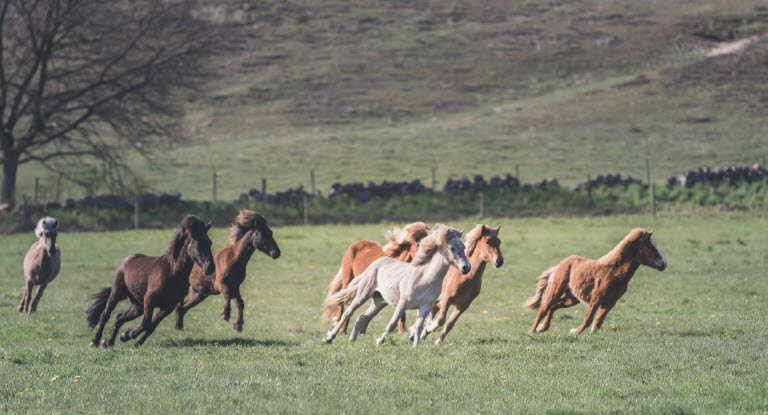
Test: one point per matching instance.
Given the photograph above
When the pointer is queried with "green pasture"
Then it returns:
(691, 339)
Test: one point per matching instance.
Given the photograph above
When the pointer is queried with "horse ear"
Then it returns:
(497, 229)
(484, 230)
(650, 233)
(208, 226)
(461, 232)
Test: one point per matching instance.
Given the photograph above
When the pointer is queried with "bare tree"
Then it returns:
(86, 80)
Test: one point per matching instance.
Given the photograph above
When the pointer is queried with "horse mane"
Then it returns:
(244, 222)
(190, 225)
(618, 253)
(438, 237)
(40, 227)
(397, 237)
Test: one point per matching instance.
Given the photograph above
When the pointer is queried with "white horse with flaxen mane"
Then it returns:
(414, 285)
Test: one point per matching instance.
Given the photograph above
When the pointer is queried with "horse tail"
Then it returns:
(99, 304)
(333, 288)
(534, 302)
(344, 296)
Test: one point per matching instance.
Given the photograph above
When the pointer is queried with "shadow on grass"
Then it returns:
(192, 342)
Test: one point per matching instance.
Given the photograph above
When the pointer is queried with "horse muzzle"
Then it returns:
(662, 267)
(498, 262)
(274, 254)
(465, 269)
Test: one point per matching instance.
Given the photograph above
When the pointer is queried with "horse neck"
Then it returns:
(244, 249)
(42, 242)
(477, 264)
(624, 270)
(182, 267)
(435, 268)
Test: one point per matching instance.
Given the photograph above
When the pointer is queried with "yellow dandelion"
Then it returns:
(522, 314)
(29, 389)
(54, 378)
(77, 377)
(709, 299)
(485, 311)
(658, 323)
(617, 389)
(670, 343)
(528, 348)
(39, 391)
(383, 363)
(76, 380)
(53, 317)
(504, 381)
(613, 326)
(754, 296)
(194, 317)
(49, 339)
(699, 317)
(576, 312)
(21, 314)
(711, 316)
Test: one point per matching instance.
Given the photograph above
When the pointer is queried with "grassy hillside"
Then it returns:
(691, 339)
(372, 91)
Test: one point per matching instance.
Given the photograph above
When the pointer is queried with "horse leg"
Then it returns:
(161, 314)
(25, 297)
(399, 310)
(181, 309)
(225, 313)
(146, 322)
(439, 310)
(601, 316)
(567, 301)
(377, 304)
(359, 299)
(551, 298)
(419, 324)
(457, 311)
(587, 319)
(401, 324)
(111, 303)
(238, 326)
(36, 298)
(130, 314)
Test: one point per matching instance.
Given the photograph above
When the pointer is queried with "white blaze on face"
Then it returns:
(663, 263)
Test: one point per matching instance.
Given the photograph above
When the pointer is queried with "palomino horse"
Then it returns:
(598, 283)
(249, 233)
(482, 245)
(41, 264)
(402, 244)
(150, 282)
(414, 285)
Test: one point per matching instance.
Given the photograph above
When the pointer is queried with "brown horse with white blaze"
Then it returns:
(402, 244)
(249, 234)
(598, 283)
(482, 246)
(152, 282)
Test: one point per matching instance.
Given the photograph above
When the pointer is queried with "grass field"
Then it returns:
(691, 339)
(376, 91)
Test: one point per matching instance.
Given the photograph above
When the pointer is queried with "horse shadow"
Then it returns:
(196, 342)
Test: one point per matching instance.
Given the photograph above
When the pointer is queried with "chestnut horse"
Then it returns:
(402, 245)
(150, 282)
(482, 245)
(598, 283)
(41, 264)
(414, 285)
(249, 233)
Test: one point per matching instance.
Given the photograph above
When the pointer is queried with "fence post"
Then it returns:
(648, 171)
(37, 186)
(136, 214)
(312, 179)
(653, 199)
(482, 204)
(306, 210)
(434, 179)
(214, 185)
(589, 191)
(264, 195)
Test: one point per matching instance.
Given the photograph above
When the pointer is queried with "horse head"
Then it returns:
(261, 238)
(192, 235)
(47, 230)
(484, 241)
(453, 250)
(646, 251)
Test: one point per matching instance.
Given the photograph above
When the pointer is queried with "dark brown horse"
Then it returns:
(402, 244)
(150, 282)
(598, 283)
(249, 233)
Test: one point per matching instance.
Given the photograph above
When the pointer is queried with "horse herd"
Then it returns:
(419, 268)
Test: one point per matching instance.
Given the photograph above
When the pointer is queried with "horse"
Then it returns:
(402, 244)
(152, 282)
(41, 264)
(249, 233)
(597, 283)
(482, 245)
(413, 285)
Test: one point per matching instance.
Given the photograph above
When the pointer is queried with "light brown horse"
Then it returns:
(150, 282)
(41, 264)
(482, 245)
(249, 233)
(402, 244)
(598, 283)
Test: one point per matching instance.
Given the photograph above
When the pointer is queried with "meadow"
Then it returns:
(691, 339)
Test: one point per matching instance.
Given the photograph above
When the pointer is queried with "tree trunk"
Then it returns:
(10, 167)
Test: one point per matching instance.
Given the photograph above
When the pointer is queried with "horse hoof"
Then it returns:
(225, 317)
(327, 340)
(438, 342)
(238, 327)
(92, 344)
(125, 336)
(379, 341)
(106, 344)
(574, 332)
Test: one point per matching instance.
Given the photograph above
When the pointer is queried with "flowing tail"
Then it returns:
(100, 302)
(344, 296)
(330, 311)
(534, 302)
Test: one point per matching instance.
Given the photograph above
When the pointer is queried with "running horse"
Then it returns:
(407, 286)
(152, 282)
(482, 246)
(598, 283)
(402, 245)
(41, 264)
(249, 234)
